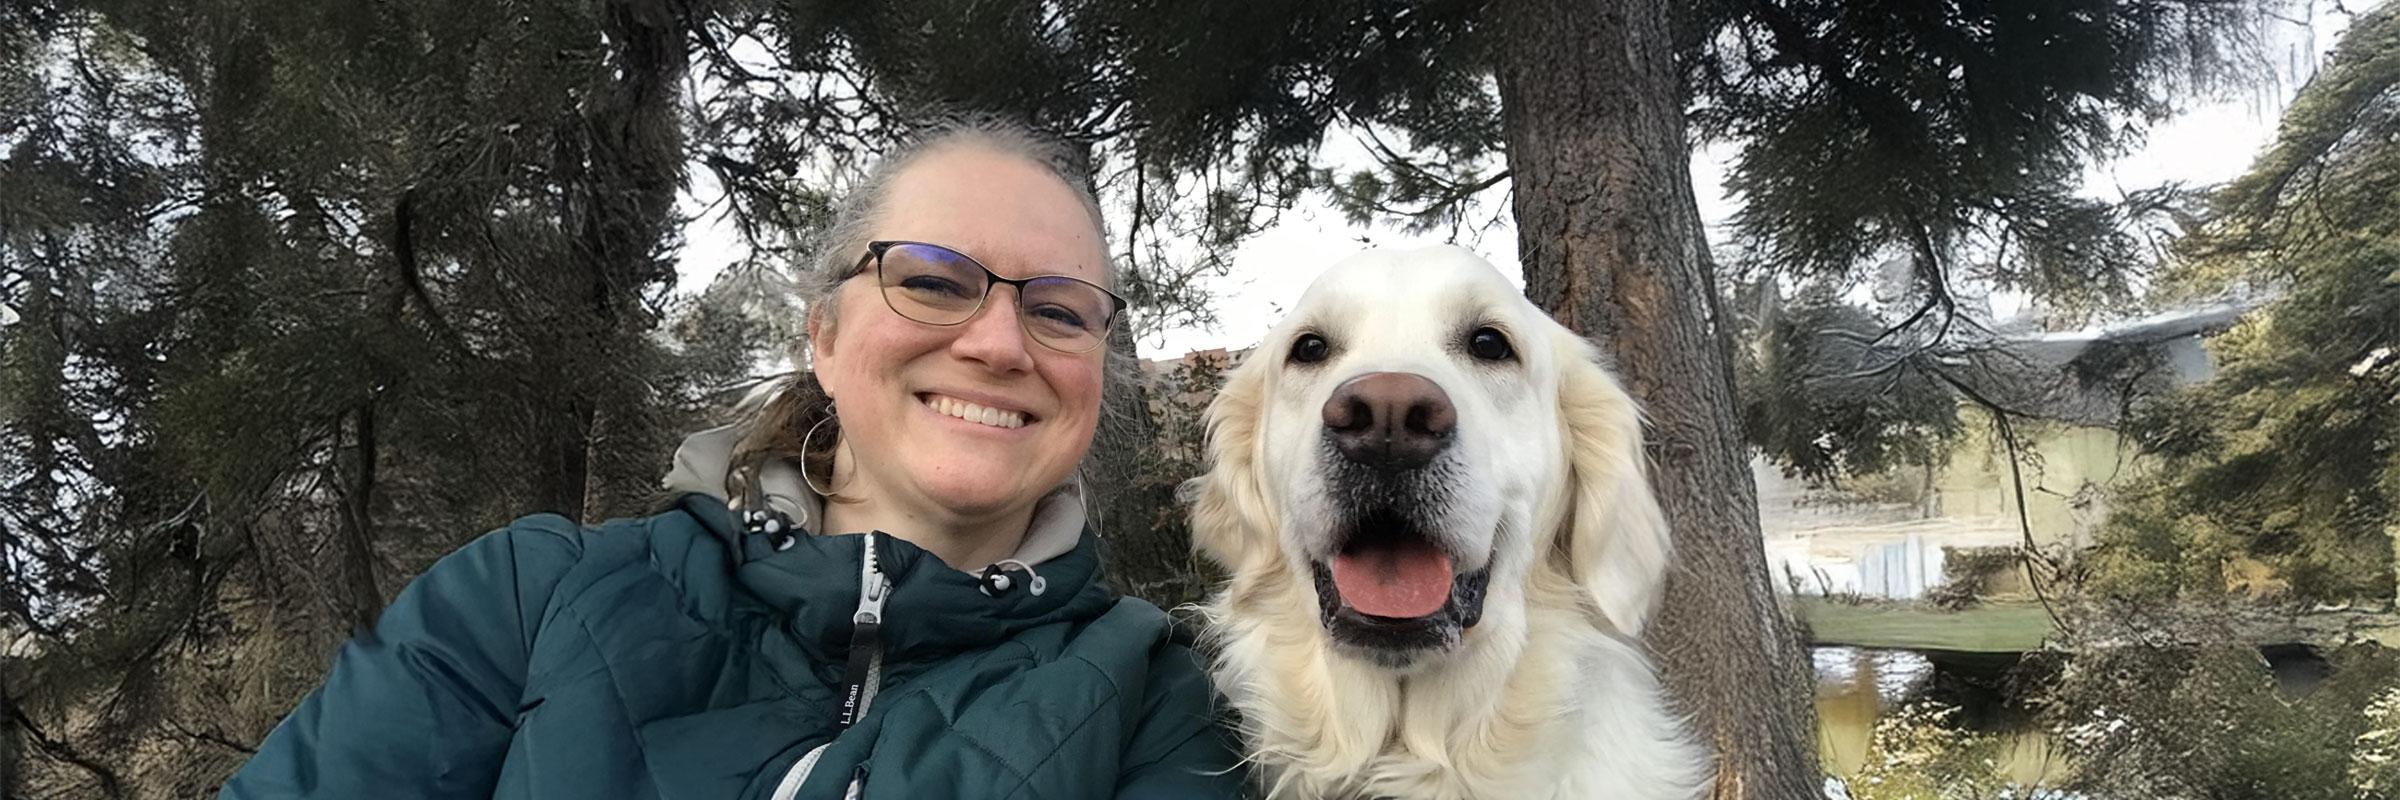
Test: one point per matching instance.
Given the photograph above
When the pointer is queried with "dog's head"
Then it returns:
(1422, 445)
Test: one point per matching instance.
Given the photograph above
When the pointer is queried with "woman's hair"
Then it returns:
(776, 420)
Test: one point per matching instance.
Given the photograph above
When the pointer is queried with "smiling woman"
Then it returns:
(958, 417)
(880, 582)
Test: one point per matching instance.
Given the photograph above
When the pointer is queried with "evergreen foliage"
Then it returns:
(2204, 720)
(2290, 455)
(301, 297)
(1952, 134)
(2212, 721)
(1947, 140)
(1824, 399)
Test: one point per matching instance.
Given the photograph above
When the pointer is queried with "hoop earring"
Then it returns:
(804, 440)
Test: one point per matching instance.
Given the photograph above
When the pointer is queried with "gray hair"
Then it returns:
(775, 423)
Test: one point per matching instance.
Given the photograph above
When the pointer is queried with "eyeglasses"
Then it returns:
(936, 285)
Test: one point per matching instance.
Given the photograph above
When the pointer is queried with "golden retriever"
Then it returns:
(1431, 501)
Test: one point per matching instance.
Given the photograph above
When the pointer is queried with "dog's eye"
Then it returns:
(1310, 348)
(1489, 345)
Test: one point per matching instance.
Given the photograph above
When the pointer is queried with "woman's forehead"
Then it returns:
(1009, 213)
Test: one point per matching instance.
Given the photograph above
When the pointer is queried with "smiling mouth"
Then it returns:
(948, 406)
(1394, 592)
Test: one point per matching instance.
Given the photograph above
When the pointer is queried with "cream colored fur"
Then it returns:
(1550, 695)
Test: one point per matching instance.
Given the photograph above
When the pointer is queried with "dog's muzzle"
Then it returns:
(1391, 588)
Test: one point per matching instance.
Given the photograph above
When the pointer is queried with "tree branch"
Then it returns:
(2027, 551)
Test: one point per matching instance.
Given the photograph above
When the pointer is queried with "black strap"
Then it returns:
(865, 641)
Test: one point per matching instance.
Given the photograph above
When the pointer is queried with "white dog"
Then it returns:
(1430, 498)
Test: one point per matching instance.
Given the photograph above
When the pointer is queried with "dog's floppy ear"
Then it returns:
(1616, 542)
(1228, 508)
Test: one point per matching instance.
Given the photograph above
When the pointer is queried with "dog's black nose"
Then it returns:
(1390, 420)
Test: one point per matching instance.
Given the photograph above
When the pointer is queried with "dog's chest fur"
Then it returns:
(1567, 711)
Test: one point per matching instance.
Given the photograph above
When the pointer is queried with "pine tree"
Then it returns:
(303, 296)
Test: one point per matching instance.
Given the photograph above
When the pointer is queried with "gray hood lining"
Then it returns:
(704, 465)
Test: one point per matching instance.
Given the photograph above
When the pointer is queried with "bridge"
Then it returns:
(2020, 627)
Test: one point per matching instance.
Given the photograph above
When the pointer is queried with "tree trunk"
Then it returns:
(1610, 237)
(1148, 549)
(560, 434)
(360, 593)
(617, 165)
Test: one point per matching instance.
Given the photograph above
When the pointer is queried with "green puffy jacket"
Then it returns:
(681, 656)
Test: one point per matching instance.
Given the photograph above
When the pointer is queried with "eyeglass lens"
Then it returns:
(939, 286)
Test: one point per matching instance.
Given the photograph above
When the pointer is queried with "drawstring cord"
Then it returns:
(775, 525)
(782, 534)
(997, 583)
(762, 519)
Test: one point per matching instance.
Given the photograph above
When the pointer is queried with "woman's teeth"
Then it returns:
(975, 413)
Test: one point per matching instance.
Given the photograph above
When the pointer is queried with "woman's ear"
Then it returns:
(1230, 523)
(819, 333)
(1617, 545)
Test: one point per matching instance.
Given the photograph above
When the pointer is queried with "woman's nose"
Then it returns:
(995, 336)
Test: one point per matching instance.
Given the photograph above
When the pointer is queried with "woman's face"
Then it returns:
(900, 385)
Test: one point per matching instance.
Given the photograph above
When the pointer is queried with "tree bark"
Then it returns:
(1610, 237)
(1140, 554)
(360, 593)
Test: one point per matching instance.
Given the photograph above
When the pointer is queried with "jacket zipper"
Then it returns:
(863, 677)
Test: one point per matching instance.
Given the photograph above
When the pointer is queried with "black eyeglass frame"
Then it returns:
(876, 249)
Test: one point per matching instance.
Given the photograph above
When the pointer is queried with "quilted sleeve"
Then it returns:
(1182, 748)
(423, 704)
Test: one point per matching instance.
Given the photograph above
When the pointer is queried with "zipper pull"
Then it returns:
(858, 784)
(872, 586)
(864, 670)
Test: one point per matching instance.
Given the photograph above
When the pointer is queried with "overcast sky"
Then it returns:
(2209, 142)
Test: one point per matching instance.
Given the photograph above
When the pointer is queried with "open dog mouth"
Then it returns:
(1393, 590)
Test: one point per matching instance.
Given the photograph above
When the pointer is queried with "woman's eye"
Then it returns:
(1311, 348)
(1060, 315)
(1490, 345)
(934, 285)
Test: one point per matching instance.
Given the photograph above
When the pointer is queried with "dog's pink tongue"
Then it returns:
(1401, 580)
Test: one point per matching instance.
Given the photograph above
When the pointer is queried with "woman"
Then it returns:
(883, 587)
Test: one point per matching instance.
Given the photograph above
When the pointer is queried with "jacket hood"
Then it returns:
(932, 610)
(704, 465)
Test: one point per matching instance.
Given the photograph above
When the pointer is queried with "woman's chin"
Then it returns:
(973, 478)
(977, 493)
